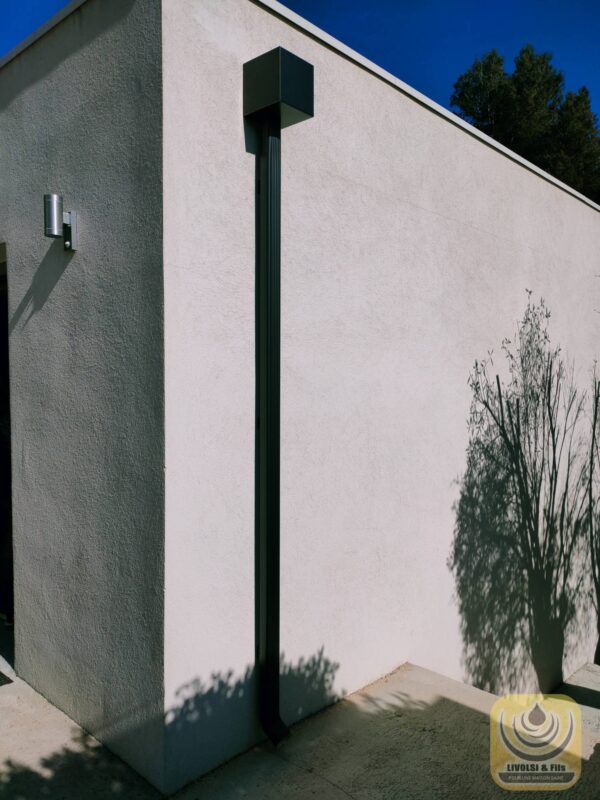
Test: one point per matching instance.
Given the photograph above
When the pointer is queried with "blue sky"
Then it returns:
(19, 18)
(429, 43)
(426, 43)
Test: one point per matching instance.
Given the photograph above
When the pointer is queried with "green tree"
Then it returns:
(529, 111)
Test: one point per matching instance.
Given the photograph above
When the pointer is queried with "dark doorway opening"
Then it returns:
(6, 551)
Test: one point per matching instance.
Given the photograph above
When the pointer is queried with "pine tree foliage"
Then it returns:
(530, 112)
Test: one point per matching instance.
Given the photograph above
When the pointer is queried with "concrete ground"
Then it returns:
(413, 734)
(44, 755)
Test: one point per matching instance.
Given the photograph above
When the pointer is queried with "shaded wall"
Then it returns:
(80, 114)
(408, 246)
(6, 556)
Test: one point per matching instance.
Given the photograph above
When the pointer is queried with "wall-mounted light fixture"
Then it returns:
(59, 224)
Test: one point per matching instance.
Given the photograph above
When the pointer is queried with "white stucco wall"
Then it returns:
(407, 247)
(80, 114)
(408, 243)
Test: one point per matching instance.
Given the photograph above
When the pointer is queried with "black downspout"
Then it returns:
(268, 346)
(278, 91)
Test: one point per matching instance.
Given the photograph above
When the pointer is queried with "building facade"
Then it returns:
(409, 241)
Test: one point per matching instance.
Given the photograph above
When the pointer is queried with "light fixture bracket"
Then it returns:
(70, 232)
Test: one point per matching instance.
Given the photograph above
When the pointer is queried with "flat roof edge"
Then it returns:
(39, 32)
(334, 44)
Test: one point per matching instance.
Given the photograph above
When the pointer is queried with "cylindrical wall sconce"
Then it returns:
(53, 216)
(59, 224)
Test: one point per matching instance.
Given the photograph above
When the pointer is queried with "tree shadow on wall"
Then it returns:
(491, 596)
(521, 517)
(210, 718)
(220, 715)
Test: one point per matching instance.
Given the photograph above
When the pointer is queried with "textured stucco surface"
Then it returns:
(80, 114)
(407, 249)
(209, 385)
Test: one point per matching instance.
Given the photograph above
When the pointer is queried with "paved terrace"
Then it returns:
(413, 734)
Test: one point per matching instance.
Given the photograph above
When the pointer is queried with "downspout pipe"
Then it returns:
(278, 92)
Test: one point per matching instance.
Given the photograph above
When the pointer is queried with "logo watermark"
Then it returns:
(535, 742)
